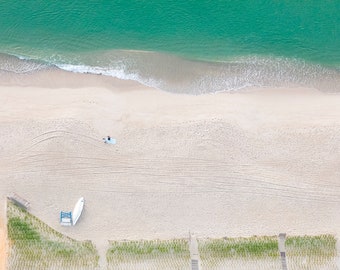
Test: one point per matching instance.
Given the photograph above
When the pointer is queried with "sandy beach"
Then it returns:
(258, 162)
(3, 249)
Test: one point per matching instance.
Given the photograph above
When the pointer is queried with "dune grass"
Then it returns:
(320, 245)
(265, 246)
(240, 253)
(257, 252)
(303, 252)
(156, 254)
(34, 245)
(311, 252)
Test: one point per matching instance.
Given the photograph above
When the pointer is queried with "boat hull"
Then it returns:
(78, 209)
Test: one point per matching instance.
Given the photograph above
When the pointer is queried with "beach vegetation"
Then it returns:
(311, 252)
(264, 246)
(153, 254)
(20, 231)
(261, 252)
(149, 247)
(34, 245)
(321, 245)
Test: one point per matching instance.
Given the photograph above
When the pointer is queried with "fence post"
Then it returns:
(282, 249)
(195, 261)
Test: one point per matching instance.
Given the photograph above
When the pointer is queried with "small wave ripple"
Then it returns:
(175, 74)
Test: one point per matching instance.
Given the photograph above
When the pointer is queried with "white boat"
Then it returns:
(78, 209)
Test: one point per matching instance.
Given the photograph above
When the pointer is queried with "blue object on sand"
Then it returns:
(111, 141)
(66, 218)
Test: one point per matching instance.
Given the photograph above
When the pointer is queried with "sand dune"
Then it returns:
(241, 164)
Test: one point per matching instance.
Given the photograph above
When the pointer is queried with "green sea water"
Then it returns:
(195, 45)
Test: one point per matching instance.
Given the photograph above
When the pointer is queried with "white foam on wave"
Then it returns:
(119, 73)
(20, 64)
(175, 74)
(243, 72)
(179, 75)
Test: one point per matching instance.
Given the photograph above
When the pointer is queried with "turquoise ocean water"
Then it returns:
(181, 46)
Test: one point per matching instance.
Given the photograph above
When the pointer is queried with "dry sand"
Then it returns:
(256, 163)
(3, 254)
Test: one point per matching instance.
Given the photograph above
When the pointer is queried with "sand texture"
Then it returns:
(255, 163)
(3, 247)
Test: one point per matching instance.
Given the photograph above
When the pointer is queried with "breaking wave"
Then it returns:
(175, 74)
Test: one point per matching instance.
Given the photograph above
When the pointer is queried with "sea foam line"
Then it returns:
(119, 73)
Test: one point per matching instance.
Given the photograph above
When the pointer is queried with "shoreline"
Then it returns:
(193, 79)
(181, 161)
(54, 78)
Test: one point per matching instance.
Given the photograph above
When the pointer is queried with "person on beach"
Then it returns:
(108, 139)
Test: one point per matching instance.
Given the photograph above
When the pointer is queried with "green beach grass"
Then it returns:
(261, 252)
(257, 247)
(320, 245)
(311, 252)
(34, 245)
(240, 253)
(257, 252)
(156, 254)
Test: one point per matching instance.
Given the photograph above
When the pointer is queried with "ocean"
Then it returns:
(189, 47)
